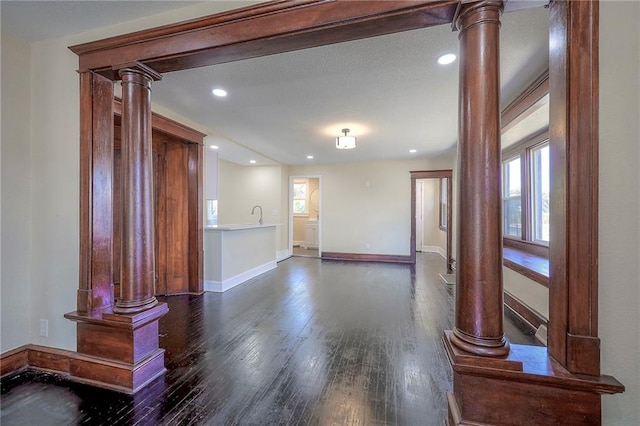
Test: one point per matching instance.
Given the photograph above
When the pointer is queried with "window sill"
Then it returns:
(530, 265)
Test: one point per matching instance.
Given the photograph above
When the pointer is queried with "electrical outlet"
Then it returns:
(44, 328)
(367, 246)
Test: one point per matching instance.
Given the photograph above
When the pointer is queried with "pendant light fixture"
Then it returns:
(345, 142)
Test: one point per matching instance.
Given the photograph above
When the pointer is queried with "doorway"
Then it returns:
(439, 184)
(177, 182)
(304, 216)
(431, 229)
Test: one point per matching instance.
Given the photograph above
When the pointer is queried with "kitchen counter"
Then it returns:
(235, 253)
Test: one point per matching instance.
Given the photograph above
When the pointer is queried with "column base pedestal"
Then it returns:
(527, 387)
(118, 352)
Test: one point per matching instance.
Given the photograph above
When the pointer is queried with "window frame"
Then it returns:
(505, 161)
(443, 205)
(523, 149)
(305, 182)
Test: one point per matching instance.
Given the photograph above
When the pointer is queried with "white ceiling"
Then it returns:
(388, 90)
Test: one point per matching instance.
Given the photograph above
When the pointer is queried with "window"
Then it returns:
(512, 198)
(540, 192)
(301, 197)
(525, 194)
(444, 208)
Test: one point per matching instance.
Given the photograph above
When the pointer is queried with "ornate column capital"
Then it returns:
(471, 13)
(137, 68)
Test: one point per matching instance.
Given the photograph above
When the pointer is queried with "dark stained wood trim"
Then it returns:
(50, 359)
(527, 380)
(366, 257)
(531, 267)
(529, 101)
(86, 148)
(166, 125)
(261, 30)
(74, 366)
(96, 221)
(15, 360)
(38, 357)
(524, 311)
(196, 215)
(544, 371)
(573, 79)
(427, 174)
(432, 174)
(527, 247)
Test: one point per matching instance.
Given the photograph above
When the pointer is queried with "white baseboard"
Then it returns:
(541, 334)
(298, 243)
(282, 255)
(435, 249)
(222, 286)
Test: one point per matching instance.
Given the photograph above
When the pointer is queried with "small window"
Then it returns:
(301, 197)
(512, 198)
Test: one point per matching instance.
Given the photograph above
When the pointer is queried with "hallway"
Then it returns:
(310, 342)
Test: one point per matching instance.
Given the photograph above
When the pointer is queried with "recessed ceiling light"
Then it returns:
(214, 146)
(446, 59)
(413, 151)
(309, 157)
(219, 92)
(252, 161)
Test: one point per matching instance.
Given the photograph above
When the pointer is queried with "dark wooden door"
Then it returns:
(173, 220)
(172, 197)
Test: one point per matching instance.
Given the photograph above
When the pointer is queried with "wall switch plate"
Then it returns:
(44, 328)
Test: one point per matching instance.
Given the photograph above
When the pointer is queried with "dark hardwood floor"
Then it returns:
(310, 342)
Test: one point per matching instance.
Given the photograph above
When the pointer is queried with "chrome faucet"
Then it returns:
(253, 211)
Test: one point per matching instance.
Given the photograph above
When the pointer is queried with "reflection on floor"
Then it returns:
(310, 342)
(305, 252)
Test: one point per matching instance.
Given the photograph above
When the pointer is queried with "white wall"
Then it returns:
(619, 233)
(368, 204)
(530, 292)
(242, 187)
(16, 195)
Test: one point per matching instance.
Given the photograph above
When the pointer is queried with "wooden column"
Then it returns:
(479, 298)
(526, 385)
(117, 345)
(137, 273)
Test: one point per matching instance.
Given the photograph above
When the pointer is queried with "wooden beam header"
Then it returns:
(275, 27)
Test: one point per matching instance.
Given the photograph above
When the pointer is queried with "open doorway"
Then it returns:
(438, 183)
(304, 216)
(431, 227)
